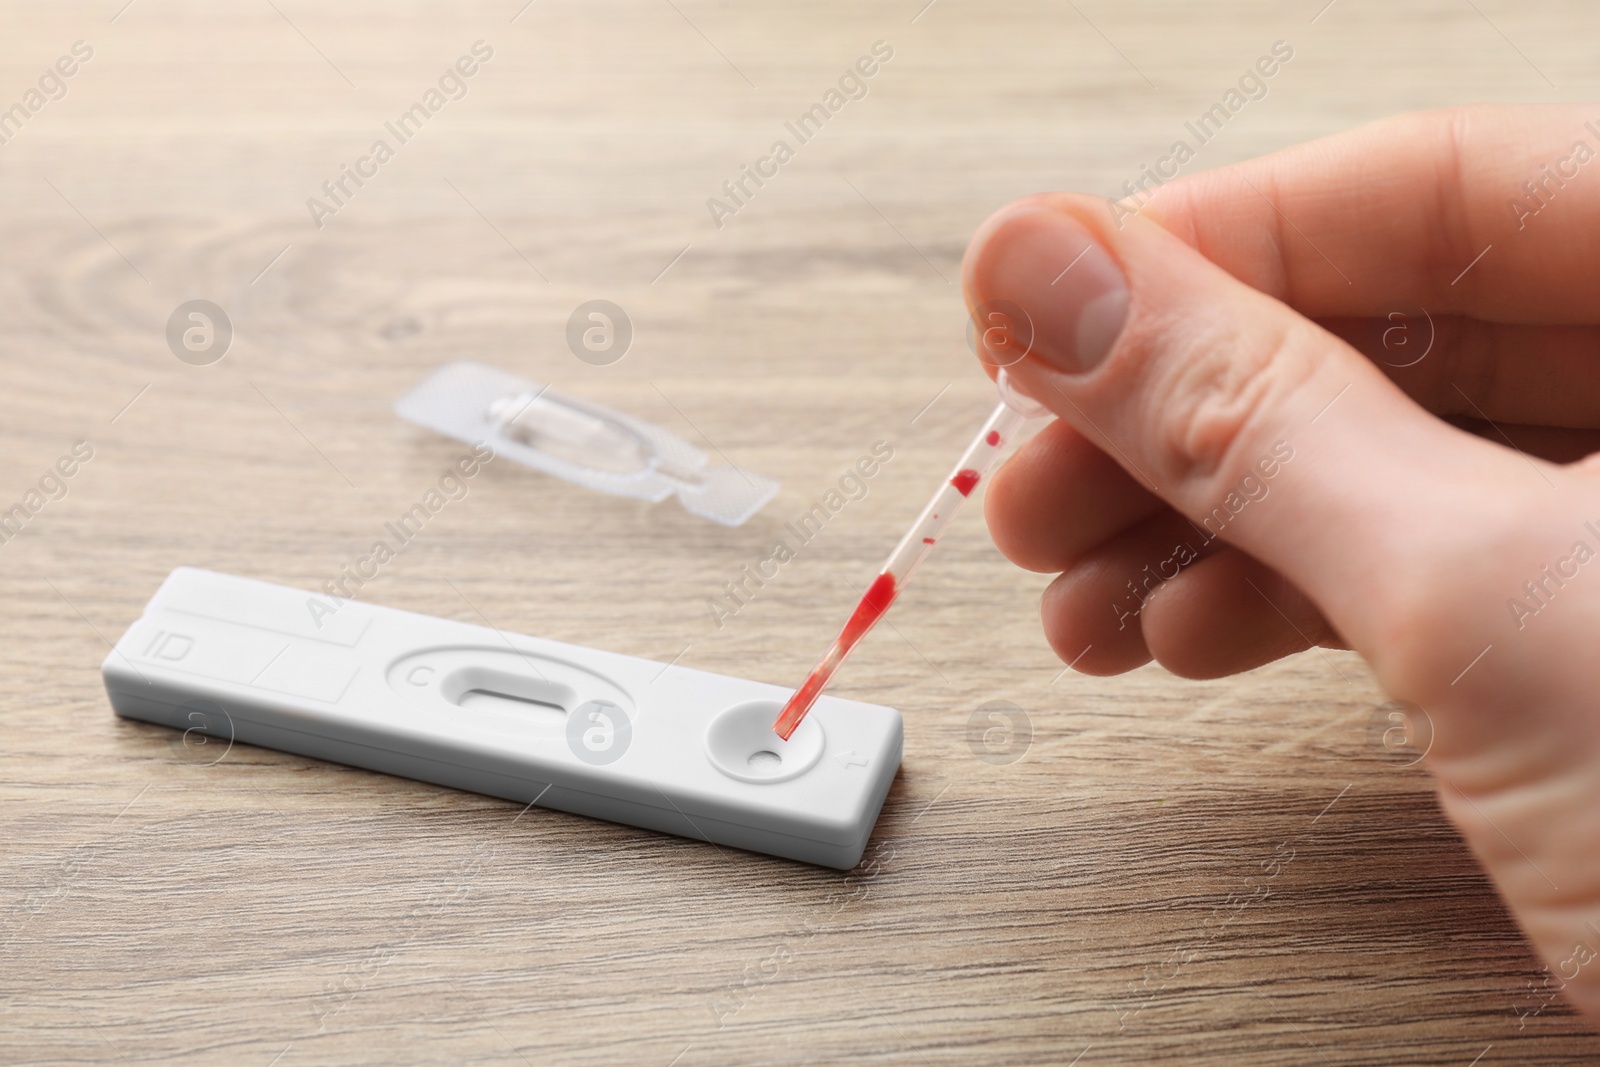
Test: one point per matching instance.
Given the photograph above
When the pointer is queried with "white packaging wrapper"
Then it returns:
(583, 443)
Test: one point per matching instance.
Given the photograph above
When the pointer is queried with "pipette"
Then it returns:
(973, 466)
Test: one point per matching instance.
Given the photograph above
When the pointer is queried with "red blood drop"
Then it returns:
(927, 540)
(965, 481)
(993, 438)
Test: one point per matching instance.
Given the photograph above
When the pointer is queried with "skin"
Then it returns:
(1418, 500)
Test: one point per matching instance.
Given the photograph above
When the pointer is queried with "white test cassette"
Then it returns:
(595, 733)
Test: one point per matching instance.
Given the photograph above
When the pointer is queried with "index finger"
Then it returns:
(1488, 211)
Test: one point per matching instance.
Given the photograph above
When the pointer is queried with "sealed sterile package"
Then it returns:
(584, 443)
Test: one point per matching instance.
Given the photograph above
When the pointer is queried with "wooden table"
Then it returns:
(1233, 872)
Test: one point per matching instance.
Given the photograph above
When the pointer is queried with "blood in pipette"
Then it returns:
(876, 601)
(803, 697)
(965, 481)
(882, 593)
(879, 595)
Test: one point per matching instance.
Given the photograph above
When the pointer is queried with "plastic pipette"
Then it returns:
(973, 466)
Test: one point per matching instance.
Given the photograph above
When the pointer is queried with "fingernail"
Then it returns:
(1051, 266)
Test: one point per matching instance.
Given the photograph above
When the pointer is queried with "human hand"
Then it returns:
(1249, 461)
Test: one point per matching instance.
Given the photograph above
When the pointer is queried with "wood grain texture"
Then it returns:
(1230, 872)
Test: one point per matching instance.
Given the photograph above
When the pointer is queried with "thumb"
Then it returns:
(1266, 431)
